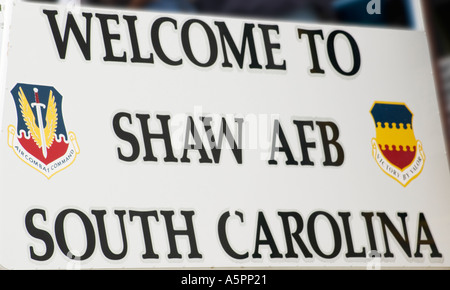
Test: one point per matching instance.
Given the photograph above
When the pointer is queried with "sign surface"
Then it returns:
(133, 139)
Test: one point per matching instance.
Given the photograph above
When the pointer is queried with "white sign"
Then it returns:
(134, 139)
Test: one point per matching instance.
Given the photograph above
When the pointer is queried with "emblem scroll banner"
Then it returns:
(54, 166)
(403, 176)
(138, 139)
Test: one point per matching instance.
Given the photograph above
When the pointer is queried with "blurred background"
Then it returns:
(437, 13)
(430, 15)
(397, 13)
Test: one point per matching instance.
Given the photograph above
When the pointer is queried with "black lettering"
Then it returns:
(137, 58)
(144, 216)
(99, 215)
(148, 137)
(71, 25)
(288, 234)
(327, 142)
(216, 148)
(189, 232)
(262, 225)
(316, 69)
(126, 136)
(278, 132)
(61, 238)
(313, 238)
(355, 53)
(39, 234)
(190, 127)
(247, 37)
(157, 42)
(303, 143)
(370, 232)
(185, 40)
(222, 231)
(345, 216)
(403, 241)
(108, 37)
(270, 46)
(423, 226)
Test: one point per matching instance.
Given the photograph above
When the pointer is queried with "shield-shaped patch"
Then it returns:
(396, 150)
(41, 139)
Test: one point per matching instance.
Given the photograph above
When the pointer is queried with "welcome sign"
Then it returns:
(134, 139)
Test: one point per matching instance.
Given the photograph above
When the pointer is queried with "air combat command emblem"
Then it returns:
(40, 139)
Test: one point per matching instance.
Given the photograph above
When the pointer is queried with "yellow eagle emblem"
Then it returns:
(51, 119)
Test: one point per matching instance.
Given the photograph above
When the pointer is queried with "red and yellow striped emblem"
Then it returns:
(395, 147)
